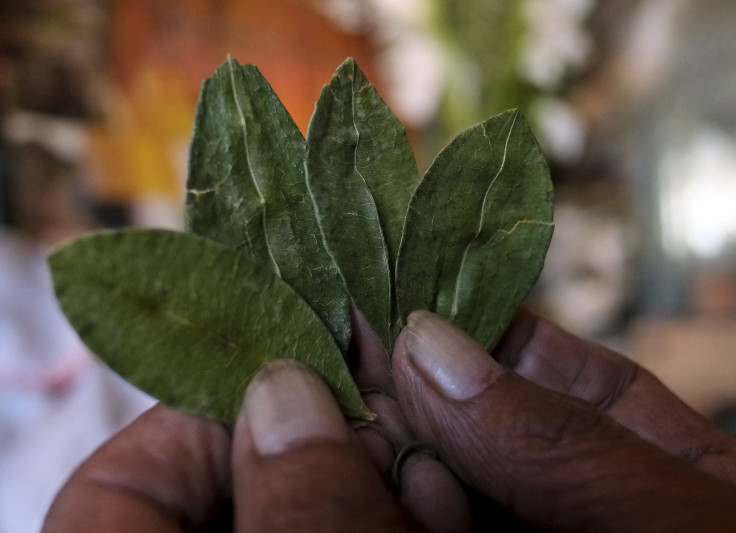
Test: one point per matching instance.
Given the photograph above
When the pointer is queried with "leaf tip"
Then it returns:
(349, 68)
(364, 415)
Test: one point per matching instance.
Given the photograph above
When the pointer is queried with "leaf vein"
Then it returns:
(463, 261)
(249, 162)
(385, 262)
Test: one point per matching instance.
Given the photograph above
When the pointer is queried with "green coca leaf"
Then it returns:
(361, 173)
(190, 321)
(478, 228)
(247, 189)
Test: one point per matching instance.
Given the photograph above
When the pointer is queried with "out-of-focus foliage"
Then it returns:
(487, 39)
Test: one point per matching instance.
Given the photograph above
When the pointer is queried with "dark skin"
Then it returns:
(552, 433)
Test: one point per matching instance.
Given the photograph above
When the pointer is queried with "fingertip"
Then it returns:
(297, 465)
(369, 362)
(379, 449)
(286, 405)
(446, 357)
(387, 434)
(432, 495)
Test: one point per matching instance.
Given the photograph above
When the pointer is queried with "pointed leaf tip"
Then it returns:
(247, 189)
(361, 173)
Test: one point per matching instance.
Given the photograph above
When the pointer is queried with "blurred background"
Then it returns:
(633, 101)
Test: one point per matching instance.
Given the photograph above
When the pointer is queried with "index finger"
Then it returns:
(166, 472)
(553, 358)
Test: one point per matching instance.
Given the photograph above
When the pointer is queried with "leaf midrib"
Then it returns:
(386, 260)
(249, 162)
(481, 218)
(165, 311)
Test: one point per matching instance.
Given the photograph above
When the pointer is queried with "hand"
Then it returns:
(561, 433)
(565, 434)
(296, 466)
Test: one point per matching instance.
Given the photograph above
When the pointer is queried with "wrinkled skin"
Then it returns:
(552, 433)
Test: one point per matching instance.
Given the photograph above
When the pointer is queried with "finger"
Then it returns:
(426, 488)
(369, 362)
(553, 358)
(384, 437)
(553, 460)
(166, 472)
(430, 492)
(296, 464)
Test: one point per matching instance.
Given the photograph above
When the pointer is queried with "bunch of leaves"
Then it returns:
(283, 232)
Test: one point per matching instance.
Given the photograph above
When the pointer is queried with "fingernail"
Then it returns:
(287, 405)
(457, 366)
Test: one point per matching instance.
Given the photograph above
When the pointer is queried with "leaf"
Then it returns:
(361, 172)
(189, 320)
(247, 189)
(478, 228)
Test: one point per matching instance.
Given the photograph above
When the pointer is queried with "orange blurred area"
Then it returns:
(161, 51)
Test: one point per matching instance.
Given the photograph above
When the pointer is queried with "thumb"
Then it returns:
(551, 459)
(296, 464)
